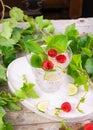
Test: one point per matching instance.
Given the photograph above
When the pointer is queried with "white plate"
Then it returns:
(15, 73)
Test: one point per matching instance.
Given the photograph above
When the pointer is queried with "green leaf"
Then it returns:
(64, 126)
(2, 102)
(7, 28)
(58, 42)
(12, 106)
(2, 125)
(84, 41)
(26, 90)
(76, 63)
(81, 79)
(32, 93)
(75, 69)
(71, 31)
(8, 54)
(9, 126)
(16, 13)
(20, 94)
(89, 65)
(36, 61)
(87, 52)
(29, 91)
(16, 34)
(2, 111)
(82, 100)
(2, 73)
(57, 111)
(6, 42)
(27, 86)
(34, 47)
(81, 111)
(42, 23)
(50, 29)
(38, 19)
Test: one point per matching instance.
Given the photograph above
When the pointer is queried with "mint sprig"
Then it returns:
(76, 70)
(58, 42)
(26, 90)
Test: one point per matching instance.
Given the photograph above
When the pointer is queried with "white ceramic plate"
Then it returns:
(20, 67)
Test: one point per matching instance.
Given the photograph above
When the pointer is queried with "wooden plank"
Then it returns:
(25, 117)
(46, 126)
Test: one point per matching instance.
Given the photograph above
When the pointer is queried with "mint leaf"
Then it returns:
(8, 54)
(20, 94)
(71, 30)
(75, 69)
(89, 65)
(84, 41)
(2, 125)
(12, 106)
(16, 34)
(6, 42)
(64, 126)
(77, 64)
(2, 102)
(2, 114)
(87, 51)
(33, 46)
(17, 14)
(2, 73)
(50, 29)
(32, 93)
(26, 90)
(42, 23)
(36, 61)
(7, 27)
(8, 126)
(58, 42)
(2, 111)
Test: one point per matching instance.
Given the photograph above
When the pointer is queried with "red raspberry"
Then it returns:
(88, 126)
(47, 65)
(66, 107)
(61, 58)
(52, 53)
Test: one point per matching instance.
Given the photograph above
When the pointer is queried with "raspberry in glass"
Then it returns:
(61, 58)
(48, 65)
(52, 53)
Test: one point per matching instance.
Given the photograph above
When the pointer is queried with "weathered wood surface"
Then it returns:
(28, 120)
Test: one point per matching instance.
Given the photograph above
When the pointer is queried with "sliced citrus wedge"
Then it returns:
(51, 75)
(42, 106)
(72, 89)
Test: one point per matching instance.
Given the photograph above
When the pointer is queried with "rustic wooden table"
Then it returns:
(28, 120)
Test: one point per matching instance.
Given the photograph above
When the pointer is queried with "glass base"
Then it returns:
(48, 81)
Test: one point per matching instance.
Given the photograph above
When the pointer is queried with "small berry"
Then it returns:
(88, 126)
(47, 65)
(61, 58)
(52, 53)
(66, 107)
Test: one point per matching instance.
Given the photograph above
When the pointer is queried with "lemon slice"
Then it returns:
(51, 75)
(42, 106)
(72, 89)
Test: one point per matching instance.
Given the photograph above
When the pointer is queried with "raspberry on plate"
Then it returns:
(88, 126)
(66, 107)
